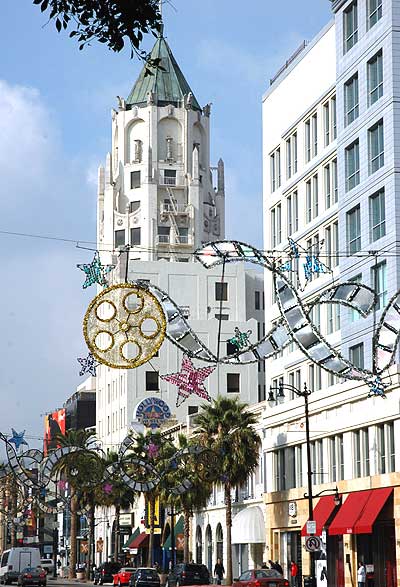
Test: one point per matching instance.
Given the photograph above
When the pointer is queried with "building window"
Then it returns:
(335, 244)
(329, 112)
(315, 195)
(333, 318)
(133, 206)
(223, 317)
(352, 162)
(291, 156)
(357, 453)
(314, 126)
(356, 355)
(374, 12)
(380, 284)
(334, 181)
(361, 453)
(276, 225)
(275, 166)
(192, 410)
(257, 300)
(377, 215)
(308, 201)
(351, 99)
(333, 110)
(307, 136)
(135, 179)
(221, 291)
(353, 225)
(152, 381)
(135, 236)
(169, 177)
(375, 78)
(233, 382)
(330, 184)
(365, 451)
(284, 468)
(119, 238)
(336, 457)
(376, 147)
(386, 448)
(183, 235)
(163, 233)
(354, 315)
(350, 27)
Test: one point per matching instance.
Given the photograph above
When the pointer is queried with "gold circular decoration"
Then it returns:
(124, 326)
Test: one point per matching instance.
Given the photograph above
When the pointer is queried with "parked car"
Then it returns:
(188, 574)
(261, 578)
(15, 559)
(105, 573)
(47, 564)
(123, 576)
(32, 576)
(144, 577)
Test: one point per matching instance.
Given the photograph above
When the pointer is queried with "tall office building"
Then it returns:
(330, 130)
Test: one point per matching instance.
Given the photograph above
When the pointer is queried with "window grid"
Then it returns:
(380, 284)
(351, 108)
(354, 230)
(356, 355)
(350, 27)
(377, 215)
(376, 147)
(352, 162)
(375, 78)
(374, 12)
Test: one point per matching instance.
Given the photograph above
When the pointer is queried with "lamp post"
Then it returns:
(304, 394)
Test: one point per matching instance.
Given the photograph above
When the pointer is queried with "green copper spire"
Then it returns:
(166, 86)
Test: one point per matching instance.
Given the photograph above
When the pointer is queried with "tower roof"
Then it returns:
(168, 85)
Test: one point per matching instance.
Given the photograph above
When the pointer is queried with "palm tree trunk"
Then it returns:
(13, 512)
(228, 516)
(186, 535)
(90, 558)
(116, 532)
(152, 502)
(73, 553)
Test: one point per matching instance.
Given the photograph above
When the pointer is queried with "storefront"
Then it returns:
(248, 538)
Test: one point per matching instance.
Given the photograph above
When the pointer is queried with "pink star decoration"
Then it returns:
(189, 380)
(152, 450)
(107, 488)
(62, 485)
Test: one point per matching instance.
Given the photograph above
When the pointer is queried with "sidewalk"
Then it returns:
(67, 581)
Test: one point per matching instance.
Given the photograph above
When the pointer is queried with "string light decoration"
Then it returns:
(189, 380)
(124, 326)
(88, 364)
(95, 272)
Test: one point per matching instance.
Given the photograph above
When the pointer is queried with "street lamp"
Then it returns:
(305, 393)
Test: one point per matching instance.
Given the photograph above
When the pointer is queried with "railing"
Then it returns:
(163, 238)
(168, 180)
(288, 62)
(169, 208)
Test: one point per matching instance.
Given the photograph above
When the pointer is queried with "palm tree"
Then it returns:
(227, 428)
(197, 496)
(78, 469)
(156, 451)
(114, 493)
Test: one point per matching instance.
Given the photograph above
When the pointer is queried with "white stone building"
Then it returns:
(159, 195)
(330, 125)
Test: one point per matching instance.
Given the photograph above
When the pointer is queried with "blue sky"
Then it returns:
(55, 106)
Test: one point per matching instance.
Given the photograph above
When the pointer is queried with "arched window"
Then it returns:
(219, 539)
(209, 548)
(199, 546)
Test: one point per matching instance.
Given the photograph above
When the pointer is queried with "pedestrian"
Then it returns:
(294, 571)
(361, 574)
(264, 566)
(219, 571)
(278, 567)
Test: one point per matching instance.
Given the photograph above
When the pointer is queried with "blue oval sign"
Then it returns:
(152, 412)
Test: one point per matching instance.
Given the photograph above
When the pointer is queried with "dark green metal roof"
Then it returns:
(168, 85)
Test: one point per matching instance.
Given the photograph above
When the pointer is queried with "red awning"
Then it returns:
(322, 512)
(140, 541)
(346, 518)
(376, 501)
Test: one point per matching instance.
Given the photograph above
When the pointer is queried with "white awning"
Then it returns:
(248, 526)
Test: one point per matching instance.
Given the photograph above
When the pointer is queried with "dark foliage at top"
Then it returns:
(112, 22)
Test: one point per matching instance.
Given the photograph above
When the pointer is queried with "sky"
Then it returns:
(55, 129)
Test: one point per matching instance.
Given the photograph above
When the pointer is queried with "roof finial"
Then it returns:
(161, 31)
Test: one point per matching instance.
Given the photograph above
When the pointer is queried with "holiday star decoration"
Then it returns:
(152, 450)
(62, 485)
(88, 364)
(311, 266)
(95, 271)
(241, 339)
(107, 488)
(189, 380)
(17, 438)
